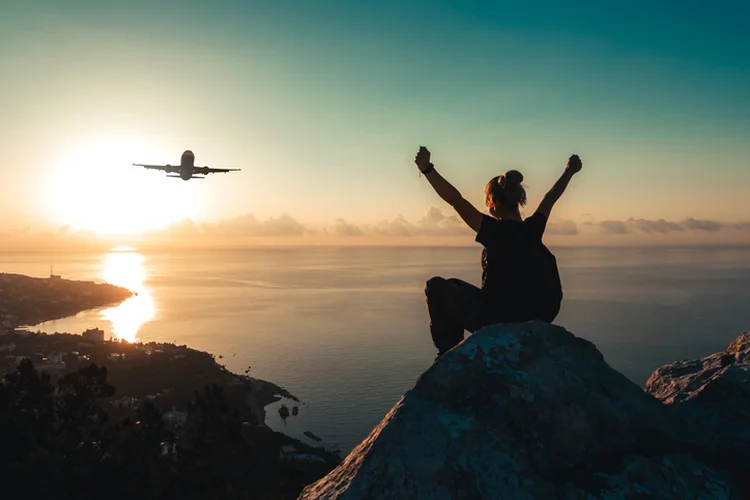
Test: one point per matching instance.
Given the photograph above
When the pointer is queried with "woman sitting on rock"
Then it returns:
(520, 281)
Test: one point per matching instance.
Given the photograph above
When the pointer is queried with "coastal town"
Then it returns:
(164, 373)
(164, 376)
(161, 372)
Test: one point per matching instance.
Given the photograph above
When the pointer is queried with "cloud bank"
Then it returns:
(434, 227)
(661, 226)
(434, 223)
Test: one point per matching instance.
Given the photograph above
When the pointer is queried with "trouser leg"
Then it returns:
(454, 306)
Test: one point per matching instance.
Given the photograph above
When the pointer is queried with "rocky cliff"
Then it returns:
(532, 411)
(714, 393)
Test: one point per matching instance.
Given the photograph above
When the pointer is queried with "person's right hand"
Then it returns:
(422, 159)
(574, 164)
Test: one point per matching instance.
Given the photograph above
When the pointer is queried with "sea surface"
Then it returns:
(345, 329)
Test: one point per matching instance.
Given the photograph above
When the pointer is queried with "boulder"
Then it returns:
(713, 392)
(526, 411)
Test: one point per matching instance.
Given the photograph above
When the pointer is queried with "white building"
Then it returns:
(93, 335)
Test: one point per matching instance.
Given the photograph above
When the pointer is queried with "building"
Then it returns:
(7, 323)
(94, 335)
(175, 418)
(52, 367)
(9, 348)
(127, 402)
(53, 276)
(287, 452)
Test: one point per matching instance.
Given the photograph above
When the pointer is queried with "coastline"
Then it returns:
(26, 301)
(166, 374)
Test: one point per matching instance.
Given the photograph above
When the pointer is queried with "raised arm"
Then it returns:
(574, 166)
(470, 215)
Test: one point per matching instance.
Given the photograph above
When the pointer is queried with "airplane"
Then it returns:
(186, 170)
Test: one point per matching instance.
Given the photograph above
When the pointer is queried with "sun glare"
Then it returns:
(95, 188)
(126, 269)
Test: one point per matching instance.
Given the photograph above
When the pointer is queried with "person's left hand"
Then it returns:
(574, 164)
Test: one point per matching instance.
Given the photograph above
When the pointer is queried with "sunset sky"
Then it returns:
(323, 105)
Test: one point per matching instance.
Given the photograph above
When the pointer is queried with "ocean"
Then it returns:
(346, 331)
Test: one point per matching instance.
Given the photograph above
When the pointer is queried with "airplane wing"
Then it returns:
(166, 168)
(206, 170)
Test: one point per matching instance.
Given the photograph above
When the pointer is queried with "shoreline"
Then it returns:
(26, 301)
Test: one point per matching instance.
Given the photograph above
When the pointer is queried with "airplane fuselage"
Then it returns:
(187, 162)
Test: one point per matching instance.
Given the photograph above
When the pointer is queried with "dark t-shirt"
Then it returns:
(519, 274)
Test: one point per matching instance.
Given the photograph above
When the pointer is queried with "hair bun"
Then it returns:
(513, 177)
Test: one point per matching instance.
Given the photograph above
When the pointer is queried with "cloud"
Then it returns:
(283, 226)
(661, 226)
(562, 228)
(244, 225)
(433, 216)
(433, 223)
(588, 219)
(185, 227)
(397, 227)
(702, 225)
(655, 226)
(248, 226)
(342, 228)
(239, 227)
(614, 227)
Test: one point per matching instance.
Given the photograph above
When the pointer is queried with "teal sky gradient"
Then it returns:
(324, 103)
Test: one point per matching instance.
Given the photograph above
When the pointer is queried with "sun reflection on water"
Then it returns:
(126, 269)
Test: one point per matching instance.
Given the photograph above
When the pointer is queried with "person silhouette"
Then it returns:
(520, 279)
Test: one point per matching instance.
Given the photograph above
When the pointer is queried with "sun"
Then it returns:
(94, 187)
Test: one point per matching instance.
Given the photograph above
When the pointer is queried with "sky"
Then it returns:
(324, 104)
